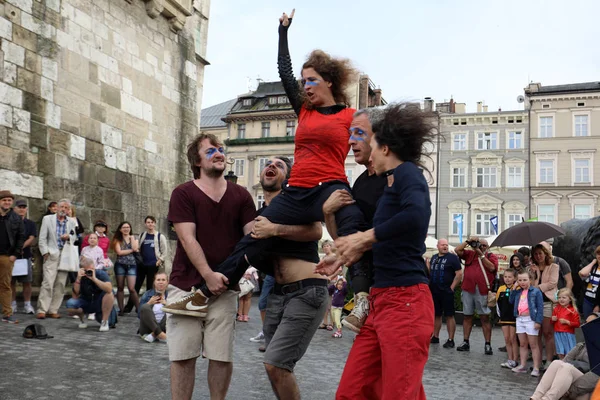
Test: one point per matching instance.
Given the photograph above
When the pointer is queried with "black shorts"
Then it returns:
(443, 302)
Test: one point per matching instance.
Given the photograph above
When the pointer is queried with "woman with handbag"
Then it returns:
(126, 246)
(246, 291)
(545, 278)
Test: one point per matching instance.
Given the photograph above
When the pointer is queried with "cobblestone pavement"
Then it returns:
(87, 364)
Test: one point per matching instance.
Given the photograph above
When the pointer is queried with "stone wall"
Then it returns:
(97, 103)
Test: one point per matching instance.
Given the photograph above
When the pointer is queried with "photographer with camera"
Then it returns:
(92, 294)
(153, 321)
(480, 271)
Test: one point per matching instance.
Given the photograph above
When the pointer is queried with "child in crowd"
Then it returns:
(94, 252)
(338, 296)
(566, 319)
(506, 312)
(529, 312)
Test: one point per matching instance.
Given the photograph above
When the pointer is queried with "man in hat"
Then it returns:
(12, 237)
(30, 234)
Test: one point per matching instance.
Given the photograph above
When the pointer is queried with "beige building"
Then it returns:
(262, 124)
(565, 136)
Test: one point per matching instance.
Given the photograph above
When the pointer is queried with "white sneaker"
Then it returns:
(29, 309)
(13, 305)
(82, 324)
(75, 317)
(258, 338)
(104, 327)
(149, 338)
(92, 317)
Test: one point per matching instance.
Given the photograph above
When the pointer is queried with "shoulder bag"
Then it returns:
(491, 296)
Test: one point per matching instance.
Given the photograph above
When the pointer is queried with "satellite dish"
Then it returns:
(520, 99)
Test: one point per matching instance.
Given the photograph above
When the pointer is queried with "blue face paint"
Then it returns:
(357, 134)
(310, 82)
(210, 153)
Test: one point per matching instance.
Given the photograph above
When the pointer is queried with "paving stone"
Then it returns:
(125, 367)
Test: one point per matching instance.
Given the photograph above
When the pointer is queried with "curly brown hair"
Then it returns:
(193, 151)
(338, 71)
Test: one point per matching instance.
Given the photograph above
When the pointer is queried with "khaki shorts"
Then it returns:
(188, 337)
(548, 307)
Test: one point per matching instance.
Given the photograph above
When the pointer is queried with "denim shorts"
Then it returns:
(266, 290)
(125, 270)
(290, 324)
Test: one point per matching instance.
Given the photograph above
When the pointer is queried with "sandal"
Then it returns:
(322, 326)
(329, 327)
(337, 334)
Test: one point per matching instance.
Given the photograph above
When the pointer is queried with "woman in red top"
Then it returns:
(321, 147)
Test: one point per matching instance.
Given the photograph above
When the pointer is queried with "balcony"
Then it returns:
(266, 140)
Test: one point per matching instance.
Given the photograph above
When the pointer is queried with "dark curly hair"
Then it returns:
(408, 131)
(338, 71)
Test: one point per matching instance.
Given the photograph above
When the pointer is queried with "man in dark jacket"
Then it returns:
(12, 237)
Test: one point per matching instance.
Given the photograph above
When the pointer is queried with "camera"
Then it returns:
(474, 244)
(89, 273)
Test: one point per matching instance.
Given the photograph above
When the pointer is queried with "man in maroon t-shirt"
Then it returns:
(210, 216)
(475, 288)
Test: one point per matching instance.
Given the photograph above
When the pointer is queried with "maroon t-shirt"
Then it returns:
(219, 226)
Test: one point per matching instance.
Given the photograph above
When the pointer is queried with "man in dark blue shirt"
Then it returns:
(30, 234)
(92, 294)
(445, 273)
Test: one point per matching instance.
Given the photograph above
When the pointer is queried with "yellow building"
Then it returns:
(262, 124)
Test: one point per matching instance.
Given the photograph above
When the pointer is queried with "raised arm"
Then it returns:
(263, 228)
(284, 64)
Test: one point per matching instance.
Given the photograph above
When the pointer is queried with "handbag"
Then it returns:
(491, 296)
(245, 287)
(139, 260)
(69, 258)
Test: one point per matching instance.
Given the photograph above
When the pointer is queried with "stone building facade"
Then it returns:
(98, 100)
(565, 136)
(483, 171)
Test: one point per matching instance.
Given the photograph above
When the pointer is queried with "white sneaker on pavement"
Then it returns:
(104, 327)
(92, 317)
(82, 324)
(150, 338)
(29, 309)
(258, 338)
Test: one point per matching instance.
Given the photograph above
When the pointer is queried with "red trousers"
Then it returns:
(389, 354)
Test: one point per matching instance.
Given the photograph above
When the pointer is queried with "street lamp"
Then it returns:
(231, 176)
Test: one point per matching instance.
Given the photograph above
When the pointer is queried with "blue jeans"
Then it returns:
(125, 270)
(588, 307)
(93, 306)
(266, 290)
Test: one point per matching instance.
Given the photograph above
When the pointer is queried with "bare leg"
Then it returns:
(514, 343)
(75, 311)
(467, 326)
(536, 352)
(548, 331)
(486, 326)
(451, 326)
(26, 292)
(183, 374)
(132, 292)
(120, 293)
(437, 326)
(107, 304)
(219, 377)
(262, 316)
(283, 383)
(523, 350)
(508, 342)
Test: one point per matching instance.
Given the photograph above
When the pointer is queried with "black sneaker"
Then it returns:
(502, 349)
(434, 340)
(488, 350)
(464, 347)
(449, 344)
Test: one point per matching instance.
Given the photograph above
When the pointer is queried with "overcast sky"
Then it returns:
(471, 50)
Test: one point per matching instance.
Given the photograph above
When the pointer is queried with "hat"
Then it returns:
(36, 331)
(6, 193)
(100, 223)
(20, 203)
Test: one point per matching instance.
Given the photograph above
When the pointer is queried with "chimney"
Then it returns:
(485, 108)
(479, 104)
(377, 93)
(452, 105)
(428, 104)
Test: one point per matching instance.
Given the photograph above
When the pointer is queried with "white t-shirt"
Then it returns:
(158, 312)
